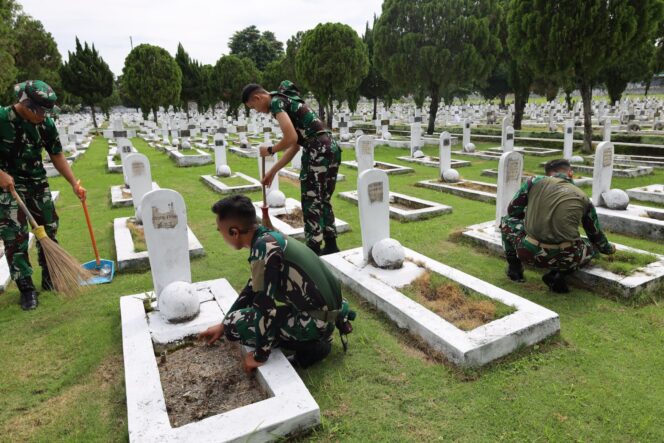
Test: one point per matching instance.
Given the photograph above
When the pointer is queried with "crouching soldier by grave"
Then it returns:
(292, 300)
(321, 157)
(24, 131)
(541, 227)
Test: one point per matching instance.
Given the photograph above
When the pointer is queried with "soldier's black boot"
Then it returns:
(330, 246)
(28, 293)
(47, 283)
(555, 280)
(308, 353)
(514, 269)
(314, 247)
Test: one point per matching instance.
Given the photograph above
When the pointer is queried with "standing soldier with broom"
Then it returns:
(24, 131)
(321, 157)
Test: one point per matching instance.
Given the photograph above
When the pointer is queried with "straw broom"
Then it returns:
(66, 272)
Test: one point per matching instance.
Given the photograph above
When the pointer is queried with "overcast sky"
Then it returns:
(202, 26)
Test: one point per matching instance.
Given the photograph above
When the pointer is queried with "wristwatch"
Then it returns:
(269, 150)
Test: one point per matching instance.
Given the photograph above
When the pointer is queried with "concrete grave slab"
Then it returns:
(645, 280)
(389, 168)
(470, 189)
(195, 158)
(217, 184)
(619, 170)
(582, 181)
(287, 229)
(404, 207)
(290, 407)
(121, 195)
(434, 162)
(650, 193)
(530, 323)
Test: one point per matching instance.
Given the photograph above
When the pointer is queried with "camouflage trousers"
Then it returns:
(14, 227)
(240, 325)
(321, 157)
(513, 234)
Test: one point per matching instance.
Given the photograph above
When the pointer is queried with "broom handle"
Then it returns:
(265, 209)
(92, 234)
(262, 177)
(24, 208)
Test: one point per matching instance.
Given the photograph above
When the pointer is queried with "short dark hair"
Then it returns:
(557, 165)
(249, 90)
(236, 207)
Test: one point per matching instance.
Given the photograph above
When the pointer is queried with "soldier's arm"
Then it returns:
(245, 299)
(517, 207)
(54, 148)
(594, 230)
(265, 302)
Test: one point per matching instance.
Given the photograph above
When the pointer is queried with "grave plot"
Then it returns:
(578, 179)
(154, 325)
(189, 157)
(389, 168)
(633, 272)
(484, 155)
(650, 193)
(406, 208)
(470, 189)
(623, 171)
(235, 183)
(434, 161)
(640, 160)
(293, 172)
(530, 150)
(430, 299)
(612, 205)
(121, 195)
(288, 220)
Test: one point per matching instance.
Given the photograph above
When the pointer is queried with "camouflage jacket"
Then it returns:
(21, 145)
(278, 288)
(518, 207)
(287, 99)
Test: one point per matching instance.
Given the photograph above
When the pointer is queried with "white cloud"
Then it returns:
(202, 26)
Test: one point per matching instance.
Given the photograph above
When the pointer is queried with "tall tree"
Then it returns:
(438, 45)
(374, 86)
(191, 77)
(331, 61)
(230, 74)
(273, 74)
(206, 95)
(575, 40)
(261, 48)
(88, 76)
(152, 78)
(8, 11)
(633, 66)
(37, 55)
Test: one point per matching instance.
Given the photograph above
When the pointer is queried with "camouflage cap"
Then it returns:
(39, 93)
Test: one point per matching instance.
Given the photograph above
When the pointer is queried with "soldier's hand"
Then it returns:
(250, 363)
(263, 149)
(212, 334)
(267, 180)
(6, 181)
(80, 191)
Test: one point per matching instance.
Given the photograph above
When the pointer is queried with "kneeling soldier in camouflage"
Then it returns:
(542, 227)
(24, 131)
(292, 300)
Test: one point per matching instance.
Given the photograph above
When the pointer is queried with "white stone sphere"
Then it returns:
(276, 199)
(224, 171)
(451, 175)
(418, 154)
(179, 302)
(616, 199)
(576, 159)
(388, 254)
(359, 133)
(470, 147)
(186, 144)
(387, 135)
(345, 137)
(244, 143)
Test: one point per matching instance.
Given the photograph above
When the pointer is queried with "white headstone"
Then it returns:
(374, 204)
(364, 153)
(219, 152)
(508, 144)
(415, 138)
(568, 143)
(445, 152)
(139, 177)
(606, 130)
(466, 133)
(602, 172)
(507, 121)
(510, 167)
(165, 224)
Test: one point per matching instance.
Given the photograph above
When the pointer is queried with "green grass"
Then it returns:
(137, 235)
(464, 308)
(625, 262)
(233, 181)
(61, 372)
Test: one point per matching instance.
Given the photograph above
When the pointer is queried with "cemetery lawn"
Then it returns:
(233, 181)
(625, 262)
(61, 370)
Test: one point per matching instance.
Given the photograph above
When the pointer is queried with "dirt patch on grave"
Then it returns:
(407, 205)
(384, 167)
(200, 381)
(295, 218)
(464, 308)
(625, 262)
(473, 186)
(126, 193)
(137, 235)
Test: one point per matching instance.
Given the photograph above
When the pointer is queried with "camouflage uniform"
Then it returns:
(580, 253)
(21, 145)
(321, 157)
(288, 285)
